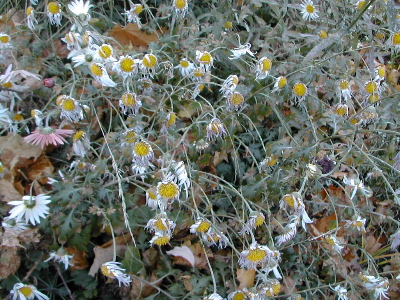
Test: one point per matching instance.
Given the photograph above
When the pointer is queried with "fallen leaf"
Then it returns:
(141, 289)
(131, 34)
(245, 278)
(9, 261)
(186, 282)
(8, 191)
(183, 252)
(79, 259)
(40, 169)
(105, 252)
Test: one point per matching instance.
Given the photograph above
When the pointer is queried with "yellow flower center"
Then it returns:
(299, 89)
(180, 4)
(105, 51)
(358, 224)
(152, 194)
(282, 82)
(29, 10)
(198, 72)
(171, 118)
(213, 238)
(1, 168)
(396, 39)
(259, 220)
(205, 58)
(160, 225)
(276, 288)
(236, 99)
(310, 8)
(360, 4)
(53, 8)
(228, 25)
(168, 190)
(130, 136)
(70, 38)
(380, 36)
(373, 98)
(18, 117)
(330, 241)
(203, 226)
(322, 34)
(4, 39)
(266, 65)
(127, 64)
(149, 61)
(68, 104)
(256, 255)
(138, 9)
(343, 84)
(129, 99)
(381, 72)
(96, 70)
(106, 272)
(142, 149)
(289, 200)
(7, 85)
(272, 161)
(184, 63)
(78, 135)
(235, 79)
(371, 87)
(341, 110)
(162, 240)
(27, 291)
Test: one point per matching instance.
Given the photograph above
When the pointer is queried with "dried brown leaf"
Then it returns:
(40, 169)
(79, 259)
(8, 191)
(183, 252)
(132, 35)
(9, 261)
(141, 289)
(245, 278)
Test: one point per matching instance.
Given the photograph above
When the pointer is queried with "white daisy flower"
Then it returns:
(395, 239)
(54, 13)
(160, 239)
(151, 198)
(214, 238)
(104, 53)
(133, 13)
(70, 108)
(80, 143)
(22, 291)
(126, 66)
(229, 85)
(201, 226)
(181, 7)
(130, 102)
(358, 224)
(205, 59)
(30, 17)
(4, 40)
(279, 84)
(80, 10)
(344, 88)
(31, 207)
(394, 41)
(148, 64)
(309, 11)
(185, 67)
(142, 153)
(113, 271)
(214, 296)
(178, 174)
(263, 68)
(215, 129)
(331, 240)
(161, 223)
(14, 224)
(357, 185)
(341, 292)
(256, 255)
(289, 232)
(99, 73)
(241, 50)
(60, 256)
(167, 192)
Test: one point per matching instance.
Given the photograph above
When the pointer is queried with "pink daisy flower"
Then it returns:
(48, 135)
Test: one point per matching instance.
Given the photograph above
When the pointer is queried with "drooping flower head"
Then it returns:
(234, 101)
(299, 91)
(241, 50)
(112, 270)
(70, 108)
(263, 67)
(148, 64)
(142, 153)
(130, 102)
(80, 9)
(54, 13)
(185, 67)
(30, 17)
(133, 13)
(99, 73)
(229, 85)
(205, 59)
(126, 66)
(160, 239)
(215, 129)
(31, 208)
(4, 40)
(256, 255)
(161, 223)
(201, 226)
(22, 291)
(395, 41)
(279, 84)
(181, 7)
(60, 256)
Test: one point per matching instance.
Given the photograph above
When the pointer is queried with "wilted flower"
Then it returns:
(269, 288)
(4, 40)
(80, 143)
(241, 50)
(160, 239)
(130, 102)
(263, 68)
(177, 173)
(148, 64)
(238, 295)
(256, 255)
(395, 41)
(214, 238)
(161, 223)
(169, 122)
(181, 7)
(255, 220)
(357, 185)
(280, 83)
(344, 88)
(309, 11)
(30, 17)
(205, 59)
(214, 296)
(299, 91)
(341, 292)
(99, 73)
(113, 271)
(142, 153)
(358, 224)
(201, 226)
(104, 53)
(70, 108)
(379, 285)
(13, 224)
(126, 66)
(167, 191)
(133, 13)
(22, 291)
(331, 240)
(151, 198)
(229, 85)
(295, 202)
(341, 109)
(234, 100)
(60, 256)
(289, 232)
(215, 129)
(44, 136)
(80, 10)
(31, 207)
(185, 67)
(54, 13)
